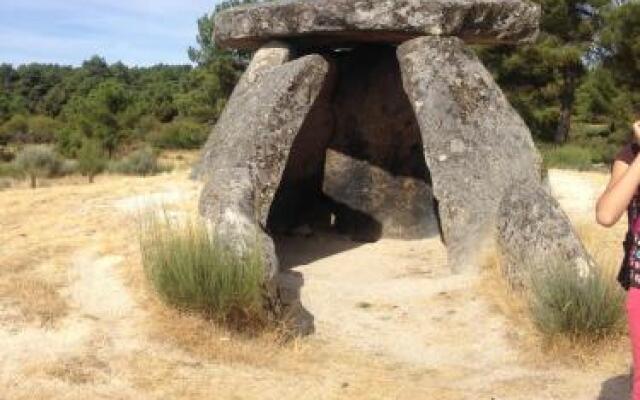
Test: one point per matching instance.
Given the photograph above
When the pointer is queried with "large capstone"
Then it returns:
(311, 23)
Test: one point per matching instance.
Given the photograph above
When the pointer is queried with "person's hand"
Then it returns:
(636, 131)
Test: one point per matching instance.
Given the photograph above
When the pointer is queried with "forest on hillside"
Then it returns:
(576, 87)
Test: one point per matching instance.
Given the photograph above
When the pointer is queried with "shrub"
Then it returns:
(67, 167)
(42, 129)
(36, 161)
(68, 142)
(142, 162)
(91, 159)
(6, 155)
(145, 126)
(193, 270)
(16, 127)
(180, 134)
(563, 303)
(35, 129)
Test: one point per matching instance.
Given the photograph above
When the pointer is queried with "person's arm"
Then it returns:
(624, 181)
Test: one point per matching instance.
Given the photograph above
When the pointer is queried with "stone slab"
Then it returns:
(341, 22)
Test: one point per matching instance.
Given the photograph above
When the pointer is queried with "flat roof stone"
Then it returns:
(342, 22)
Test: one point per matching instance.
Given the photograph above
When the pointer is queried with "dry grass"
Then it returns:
(605, 245)
(77, 370)
(508, 302)
(181, 356)
(180, 159)
(536, 348)
(37, 300)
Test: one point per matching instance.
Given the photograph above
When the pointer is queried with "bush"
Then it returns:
(42, 129)
(69, 142)
(180, 134)
(193, 270)
(35, 129)
(563, 303)
(14, 129)
(142, 162)
(37, 161)
(91, 159)
(6, 155)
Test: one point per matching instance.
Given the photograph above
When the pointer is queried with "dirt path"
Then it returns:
(77, 321)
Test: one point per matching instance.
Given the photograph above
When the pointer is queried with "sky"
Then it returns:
(136, 32)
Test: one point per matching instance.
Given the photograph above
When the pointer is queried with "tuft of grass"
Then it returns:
(579, 308)
(194, 270)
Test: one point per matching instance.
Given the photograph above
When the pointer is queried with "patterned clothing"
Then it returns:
(629, 275)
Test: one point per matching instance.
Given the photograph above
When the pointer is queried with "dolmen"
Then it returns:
(373, 117)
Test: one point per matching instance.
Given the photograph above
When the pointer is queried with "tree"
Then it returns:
(91, 159)
(42, 129)
(16, 129)
(97, 116)
(96, 66)
(207, 52)
(37, 161)
(544, 77)
(621, 37)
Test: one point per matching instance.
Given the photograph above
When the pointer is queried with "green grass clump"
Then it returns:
(563, 303)
(567, 156)
(194, 270)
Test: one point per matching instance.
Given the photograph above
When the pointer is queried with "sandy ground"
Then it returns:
(78, 321)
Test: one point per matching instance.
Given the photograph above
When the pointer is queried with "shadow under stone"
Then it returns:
(615, 388)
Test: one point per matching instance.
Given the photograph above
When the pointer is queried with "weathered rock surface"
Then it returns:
(244, 160)
(377, 167)
(332, 22)
(270, 55)
(475, 143)
(534, 233)
(299, 200)
(377, 203)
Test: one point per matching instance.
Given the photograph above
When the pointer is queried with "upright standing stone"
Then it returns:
(476, 145)
(534, 235)
(245, 159)
(272, 54)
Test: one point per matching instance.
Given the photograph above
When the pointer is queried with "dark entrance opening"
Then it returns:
(357, 165)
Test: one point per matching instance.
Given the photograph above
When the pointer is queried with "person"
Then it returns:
(621, 194)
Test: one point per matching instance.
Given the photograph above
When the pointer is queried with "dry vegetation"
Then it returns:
(78, 319)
